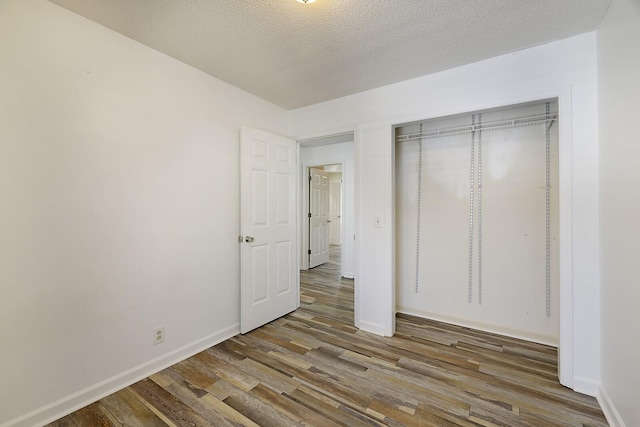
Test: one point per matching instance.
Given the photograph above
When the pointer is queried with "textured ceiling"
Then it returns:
(295, 55)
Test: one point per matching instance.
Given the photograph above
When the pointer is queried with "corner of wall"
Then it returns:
(373, 328)
(586, 386)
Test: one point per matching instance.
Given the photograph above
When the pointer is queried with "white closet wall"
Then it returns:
(508, 243)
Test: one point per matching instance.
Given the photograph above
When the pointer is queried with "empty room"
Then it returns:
(164, 259)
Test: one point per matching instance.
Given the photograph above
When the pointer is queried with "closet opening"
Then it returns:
(477, 220)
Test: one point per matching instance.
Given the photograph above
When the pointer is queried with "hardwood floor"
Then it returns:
(312, 367)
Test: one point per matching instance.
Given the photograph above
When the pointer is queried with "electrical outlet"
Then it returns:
(158, 335)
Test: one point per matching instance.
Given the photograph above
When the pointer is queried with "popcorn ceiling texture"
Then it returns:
(295, 55)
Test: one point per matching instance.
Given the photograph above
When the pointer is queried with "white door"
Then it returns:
(335, 209)
(318, 217)
(269, 273)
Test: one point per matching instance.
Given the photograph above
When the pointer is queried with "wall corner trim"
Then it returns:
(93, 393)
(610, 412)
(586, 386)
(373, 328)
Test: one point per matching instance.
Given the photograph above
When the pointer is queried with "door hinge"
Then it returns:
(309, 214)
(309, 251)
(309, 178)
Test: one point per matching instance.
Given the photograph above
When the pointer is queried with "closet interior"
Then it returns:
(476, 215)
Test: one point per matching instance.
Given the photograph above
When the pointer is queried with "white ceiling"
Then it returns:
(295, 55)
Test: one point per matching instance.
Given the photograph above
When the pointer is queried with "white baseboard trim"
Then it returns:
(550, 341)
(348, 275)
(586, 386)
(82, 398)
(609, 409)
(372, 328)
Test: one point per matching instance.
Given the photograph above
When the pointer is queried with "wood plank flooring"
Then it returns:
(313, 368)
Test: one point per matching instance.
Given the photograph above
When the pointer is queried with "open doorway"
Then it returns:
(324, 213)
(328, 231)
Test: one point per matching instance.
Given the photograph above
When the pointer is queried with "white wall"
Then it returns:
(332, 154)
(566, 68)
(619, 95)
(119, 186)
(336, 214)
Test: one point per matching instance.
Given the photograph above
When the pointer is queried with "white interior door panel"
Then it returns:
(268, 277)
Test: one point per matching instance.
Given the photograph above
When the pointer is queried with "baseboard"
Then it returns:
(610, 412)
(347, 275)
(494, 329)
(82, 398)
(586, 386)
(373, 328)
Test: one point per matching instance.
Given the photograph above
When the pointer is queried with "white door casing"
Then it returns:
(318, 217)
(269, 272)
(335, 209)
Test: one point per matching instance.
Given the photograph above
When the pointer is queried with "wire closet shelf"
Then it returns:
(488, 126)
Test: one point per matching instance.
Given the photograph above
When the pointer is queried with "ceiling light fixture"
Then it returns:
(306, 1)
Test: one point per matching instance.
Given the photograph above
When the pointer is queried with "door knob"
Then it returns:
(248, 239)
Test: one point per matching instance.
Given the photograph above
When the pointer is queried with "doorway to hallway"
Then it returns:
(335, 155)
(325, 211)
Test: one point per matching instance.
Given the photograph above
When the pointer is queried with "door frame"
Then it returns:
(337, 135)
(565, 218)
(318, 168)
(304, 207)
